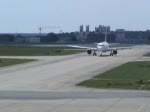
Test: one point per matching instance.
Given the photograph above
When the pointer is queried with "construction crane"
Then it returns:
(41, 29)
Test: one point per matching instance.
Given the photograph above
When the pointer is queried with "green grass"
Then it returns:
(147, 55)
(8, 62)
(133, 75)
(35, 51)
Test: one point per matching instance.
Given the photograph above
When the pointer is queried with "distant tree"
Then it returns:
(11, 38)
(6, 38)
(51, 37)
(73, 38)
(148, 38)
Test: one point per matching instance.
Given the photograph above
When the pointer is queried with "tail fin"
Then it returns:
(106, 36)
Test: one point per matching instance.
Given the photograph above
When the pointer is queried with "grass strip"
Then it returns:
(147, 55)
(133, 75)
(19, 50)
(9, 62)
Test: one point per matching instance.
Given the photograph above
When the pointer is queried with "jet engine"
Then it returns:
(89, 51)
(115, 52)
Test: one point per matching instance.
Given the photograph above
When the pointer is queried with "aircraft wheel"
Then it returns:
(94, 54)
(111, 54)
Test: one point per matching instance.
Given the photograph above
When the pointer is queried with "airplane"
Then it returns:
(101, 47)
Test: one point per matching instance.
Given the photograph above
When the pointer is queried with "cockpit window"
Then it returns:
(101, 45)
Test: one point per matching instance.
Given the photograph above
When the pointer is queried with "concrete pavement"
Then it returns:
(49, 85)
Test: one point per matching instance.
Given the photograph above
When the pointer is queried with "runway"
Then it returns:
(50, 84)
(52, 95)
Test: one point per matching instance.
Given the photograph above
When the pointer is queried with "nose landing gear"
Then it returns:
(100, 53)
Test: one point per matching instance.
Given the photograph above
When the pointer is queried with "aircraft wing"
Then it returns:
(114, 44)
(82, 47)
(118, 48)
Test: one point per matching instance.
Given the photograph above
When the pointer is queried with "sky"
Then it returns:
(26, 16)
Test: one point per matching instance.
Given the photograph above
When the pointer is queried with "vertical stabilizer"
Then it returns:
(106, 36)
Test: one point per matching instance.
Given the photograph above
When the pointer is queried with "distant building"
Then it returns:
(33, 39)
(83, 35)
(87, 29)
(87, 32)
(120, 35)
(23, 39)
(97, 30)
(19, 39)
(102, 29)
(81, 29)
(120, 30)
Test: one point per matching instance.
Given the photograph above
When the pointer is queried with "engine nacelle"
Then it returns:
(115, 52)
(89, 51)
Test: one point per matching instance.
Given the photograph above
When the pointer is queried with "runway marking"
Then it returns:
(66, 79)
(80, 75)
(113, 104)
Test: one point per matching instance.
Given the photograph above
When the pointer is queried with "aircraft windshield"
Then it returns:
(101, 45)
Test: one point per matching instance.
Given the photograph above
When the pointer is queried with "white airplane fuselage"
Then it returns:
(102, 47)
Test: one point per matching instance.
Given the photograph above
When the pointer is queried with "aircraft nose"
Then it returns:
(100, 48)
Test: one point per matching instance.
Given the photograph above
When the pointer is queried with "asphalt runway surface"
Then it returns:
(49, 84)
(52, 95)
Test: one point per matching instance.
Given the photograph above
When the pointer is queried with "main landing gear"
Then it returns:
(94, 53)
(111, 54)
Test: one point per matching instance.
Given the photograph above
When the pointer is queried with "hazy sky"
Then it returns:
(27, 15)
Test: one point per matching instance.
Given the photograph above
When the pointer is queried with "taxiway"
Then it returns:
(49, 85)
